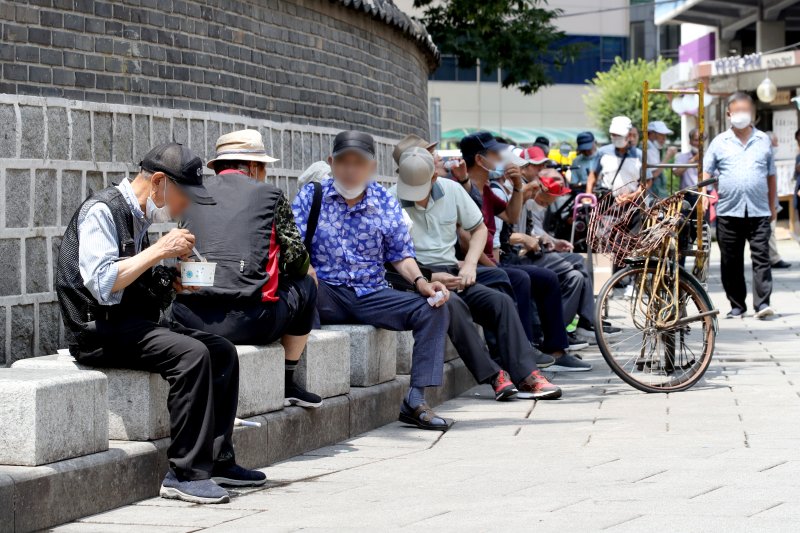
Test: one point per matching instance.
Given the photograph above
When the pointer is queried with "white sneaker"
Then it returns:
(765, 312)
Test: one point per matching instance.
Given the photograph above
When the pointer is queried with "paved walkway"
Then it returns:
(721, 457)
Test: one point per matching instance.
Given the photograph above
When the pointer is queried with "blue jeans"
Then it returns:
(395, 311)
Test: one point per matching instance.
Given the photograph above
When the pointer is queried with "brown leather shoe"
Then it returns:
(424, 418)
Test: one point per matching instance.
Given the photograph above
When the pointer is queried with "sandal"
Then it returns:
(424, 418)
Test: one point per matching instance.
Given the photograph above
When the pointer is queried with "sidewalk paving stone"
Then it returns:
(723, 456)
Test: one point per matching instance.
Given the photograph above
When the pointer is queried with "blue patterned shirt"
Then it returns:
(351, 244)
(743, 171)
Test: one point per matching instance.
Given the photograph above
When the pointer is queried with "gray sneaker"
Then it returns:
(569, 363)
(197, 491)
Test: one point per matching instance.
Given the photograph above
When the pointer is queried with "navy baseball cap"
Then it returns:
(479, 142)
(182, 166)
(585, 140)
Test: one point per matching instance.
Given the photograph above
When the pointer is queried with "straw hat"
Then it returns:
(242, 145)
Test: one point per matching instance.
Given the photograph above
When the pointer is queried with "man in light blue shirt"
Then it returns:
(742, 158)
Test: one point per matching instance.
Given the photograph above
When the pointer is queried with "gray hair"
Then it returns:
(739, 96)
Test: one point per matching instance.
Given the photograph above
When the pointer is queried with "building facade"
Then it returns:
(470, 98)
(87, 87)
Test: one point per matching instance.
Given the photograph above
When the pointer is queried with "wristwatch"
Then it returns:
(419, 278)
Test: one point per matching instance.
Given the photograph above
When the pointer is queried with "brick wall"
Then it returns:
(330, 63)
(54, 151)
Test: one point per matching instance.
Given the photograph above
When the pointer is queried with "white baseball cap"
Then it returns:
(658, 126)
(415, 174)
(620, 126)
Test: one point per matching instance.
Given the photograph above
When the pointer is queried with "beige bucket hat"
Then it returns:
(242, 145)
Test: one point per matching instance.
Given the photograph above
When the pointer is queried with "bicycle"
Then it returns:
(667, 322)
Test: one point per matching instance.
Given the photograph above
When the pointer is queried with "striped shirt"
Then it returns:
(98, 250)
(743, 170)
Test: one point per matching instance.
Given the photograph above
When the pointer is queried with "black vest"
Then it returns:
(237, 235)
(79, 309)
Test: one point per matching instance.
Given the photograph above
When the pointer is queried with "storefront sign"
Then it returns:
(752, 62)
(782, 98)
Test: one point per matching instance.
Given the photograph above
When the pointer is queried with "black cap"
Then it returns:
(354, 141)
(585, 140)
(182, 166)
(479, 142)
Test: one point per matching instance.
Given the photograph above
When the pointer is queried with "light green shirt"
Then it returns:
(433, 227)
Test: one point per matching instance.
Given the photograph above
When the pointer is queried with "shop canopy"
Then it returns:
(520, 136)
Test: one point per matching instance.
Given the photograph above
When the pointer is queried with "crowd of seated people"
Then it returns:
(441, 250)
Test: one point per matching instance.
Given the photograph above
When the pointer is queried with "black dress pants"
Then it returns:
(203, 375)
(253, 322)
(497, 314)
(732, 232)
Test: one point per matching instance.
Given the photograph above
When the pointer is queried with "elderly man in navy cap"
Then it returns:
(586, 159)
(354, 227)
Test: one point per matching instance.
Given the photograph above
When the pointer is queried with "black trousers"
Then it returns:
(203, 375)
(253, 322)
(732, 232)
(497, 314)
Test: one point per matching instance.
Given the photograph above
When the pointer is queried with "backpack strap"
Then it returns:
(313, 215)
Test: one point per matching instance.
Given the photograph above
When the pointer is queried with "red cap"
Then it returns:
(534, 154)
(554, 186)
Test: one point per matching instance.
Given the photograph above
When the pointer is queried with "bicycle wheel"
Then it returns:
(649, 356)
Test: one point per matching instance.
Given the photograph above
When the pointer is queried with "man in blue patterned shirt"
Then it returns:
(742, 157)
(360, 228)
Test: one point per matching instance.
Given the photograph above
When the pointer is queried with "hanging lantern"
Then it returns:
(678, 105)
(691, 102)
(767, 91)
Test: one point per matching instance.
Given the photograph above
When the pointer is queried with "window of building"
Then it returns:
(597, 54)
(637, 48)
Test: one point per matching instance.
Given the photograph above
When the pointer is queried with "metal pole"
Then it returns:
(645, 92)
(701, 128)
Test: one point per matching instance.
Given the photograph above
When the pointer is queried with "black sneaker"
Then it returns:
(570, 363)
(296, 395)
(543, 360)
(229, 473)
(575, 343)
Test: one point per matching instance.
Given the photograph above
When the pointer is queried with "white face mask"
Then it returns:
(620, 142)
(349, 194)
(740, 120)
(157, 214)
(656, 144)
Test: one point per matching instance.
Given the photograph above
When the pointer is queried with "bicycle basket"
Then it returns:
(614, 228)
(664, 219)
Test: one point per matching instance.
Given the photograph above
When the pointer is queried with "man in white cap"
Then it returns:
(657, 134)
(437, 207)
(264, 289)
(618, 164)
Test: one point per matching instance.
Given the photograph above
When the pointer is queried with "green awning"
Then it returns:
(521, 136)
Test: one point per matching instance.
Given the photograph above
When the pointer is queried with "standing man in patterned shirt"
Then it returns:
(360, 227)
(263, 288)
(742, 157)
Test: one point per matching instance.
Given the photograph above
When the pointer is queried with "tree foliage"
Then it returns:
(516, 36)
(619, 92)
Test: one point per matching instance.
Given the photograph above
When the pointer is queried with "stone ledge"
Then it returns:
(33, 498)
(50, 415)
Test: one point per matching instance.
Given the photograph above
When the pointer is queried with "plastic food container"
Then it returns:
(197, 274)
